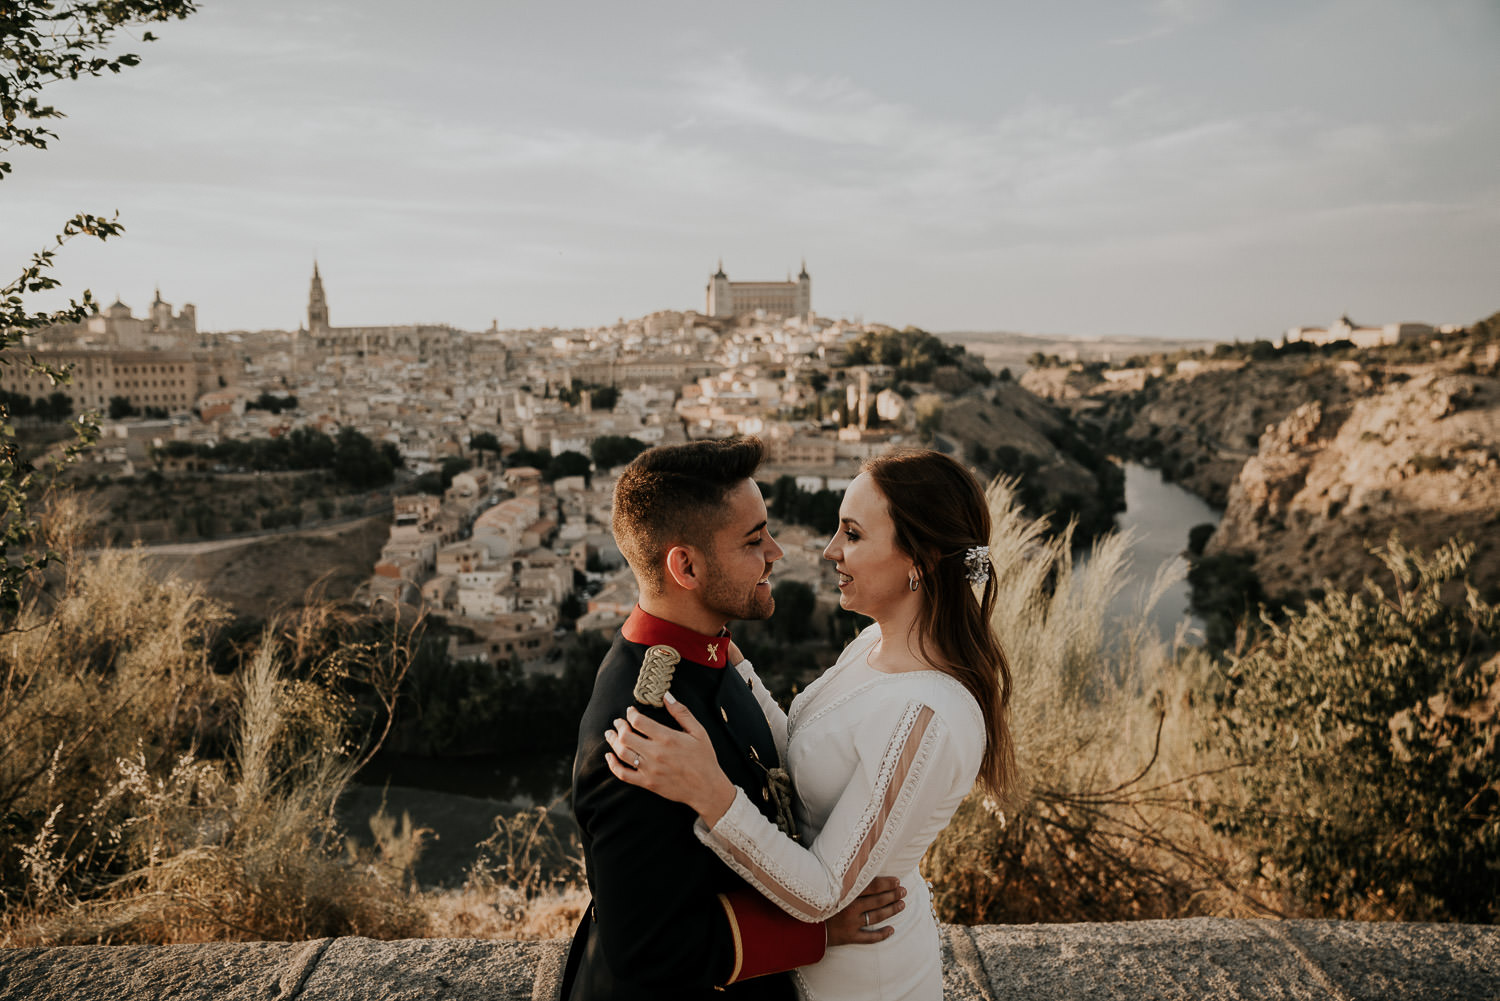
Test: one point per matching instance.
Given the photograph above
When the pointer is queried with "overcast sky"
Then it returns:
(1183, 168)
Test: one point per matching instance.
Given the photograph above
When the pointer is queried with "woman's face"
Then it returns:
(873, 572)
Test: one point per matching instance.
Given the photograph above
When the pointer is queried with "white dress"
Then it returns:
(879, 762)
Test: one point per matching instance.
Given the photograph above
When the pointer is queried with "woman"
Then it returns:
(885, 745)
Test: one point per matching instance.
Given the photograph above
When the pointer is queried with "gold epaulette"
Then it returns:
(656, 675)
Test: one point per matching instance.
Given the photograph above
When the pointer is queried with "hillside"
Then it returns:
(1418, 457)
(257, 577)
(1316, 457)
(1005, 429)
(1200, 424)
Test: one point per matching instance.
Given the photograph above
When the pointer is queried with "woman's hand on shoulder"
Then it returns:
(679, 765)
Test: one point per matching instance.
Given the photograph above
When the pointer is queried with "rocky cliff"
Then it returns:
(1201, 422)
(1418, 456)
(1316, 459)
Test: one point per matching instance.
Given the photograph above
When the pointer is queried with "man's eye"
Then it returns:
(755, 542)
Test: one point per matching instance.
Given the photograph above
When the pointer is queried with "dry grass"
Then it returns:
(148, 799)
(527, 884)
(1108, 737)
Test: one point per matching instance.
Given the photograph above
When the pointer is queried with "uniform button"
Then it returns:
(754, 755)
(765, 794)
(723, 712)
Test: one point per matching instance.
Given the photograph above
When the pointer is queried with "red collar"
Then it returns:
(646, 629)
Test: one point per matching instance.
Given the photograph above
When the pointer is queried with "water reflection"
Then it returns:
(1161, 514)
(517, 780)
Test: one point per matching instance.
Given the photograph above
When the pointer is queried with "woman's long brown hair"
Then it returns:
(940, 514)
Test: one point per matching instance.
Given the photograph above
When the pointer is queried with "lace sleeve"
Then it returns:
(907, 772)
(775, 715)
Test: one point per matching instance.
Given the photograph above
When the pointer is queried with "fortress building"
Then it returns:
(160, 360)
(171, 380)
(422, 341)
(745, 299)
(115, 328)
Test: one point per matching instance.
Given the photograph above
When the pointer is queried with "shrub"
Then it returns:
(1368, 751)
(1198, 537)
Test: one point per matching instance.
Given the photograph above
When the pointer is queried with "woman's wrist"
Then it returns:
(712, 807)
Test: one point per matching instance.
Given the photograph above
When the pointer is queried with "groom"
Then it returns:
(668, 919)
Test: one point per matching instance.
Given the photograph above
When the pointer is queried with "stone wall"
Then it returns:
(1199, 959)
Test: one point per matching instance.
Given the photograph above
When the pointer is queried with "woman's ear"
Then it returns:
(682, 567)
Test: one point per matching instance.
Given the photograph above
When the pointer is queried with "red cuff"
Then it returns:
(768, 939)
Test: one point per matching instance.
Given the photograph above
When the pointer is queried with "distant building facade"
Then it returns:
(170, 380)
(421, 341)
(116, 327)
(1358, 335)
(727, 299)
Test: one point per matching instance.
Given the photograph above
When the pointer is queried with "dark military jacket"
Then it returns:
(669, 920)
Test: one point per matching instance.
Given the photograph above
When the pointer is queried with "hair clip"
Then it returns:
(977, 564)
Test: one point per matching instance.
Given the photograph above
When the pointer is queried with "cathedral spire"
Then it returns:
(317, 304)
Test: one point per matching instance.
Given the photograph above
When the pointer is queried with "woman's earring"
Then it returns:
(912, 581)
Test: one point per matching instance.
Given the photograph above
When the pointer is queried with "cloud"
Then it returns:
(1171, 16)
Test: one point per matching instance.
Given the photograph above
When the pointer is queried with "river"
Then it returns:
(1160, 514)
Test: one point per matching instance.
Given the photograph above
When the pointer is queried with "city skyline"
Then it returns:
(1182, 168)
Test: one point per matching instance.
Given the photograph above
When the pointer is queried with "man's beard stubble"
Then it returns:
(723, 598)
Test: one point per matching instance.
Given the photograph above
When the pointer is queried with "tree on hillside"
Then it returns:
(534, 457)
(567, 464)
(795, 604)
(42, 42)
(120, 407)
(484, 441)
(359, 462)
(611, 450)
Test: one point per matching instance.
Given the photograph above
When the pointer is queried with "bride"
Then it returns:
(884, 746)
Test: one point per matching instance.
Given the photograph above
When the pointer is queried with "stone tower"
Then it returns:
(317, 306)
(720, 298)
(161, 313)
(804, 292)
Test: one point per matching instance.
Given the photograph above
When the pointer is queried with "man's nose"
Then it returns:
(776, 552)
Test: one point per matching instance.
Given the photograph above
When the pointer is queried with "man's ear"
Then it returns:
(683, 567)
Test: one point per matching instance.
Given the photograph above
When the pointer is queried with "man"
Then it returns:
(668, 919)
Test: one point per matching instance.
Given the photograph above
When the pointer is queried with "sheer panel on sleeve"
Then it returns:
(907, 770)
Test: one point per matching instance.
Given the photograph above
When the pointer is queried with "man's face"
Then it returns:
(737, 582)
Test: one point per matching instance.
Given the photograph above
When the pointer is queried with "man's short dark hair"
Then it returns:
(673, 495)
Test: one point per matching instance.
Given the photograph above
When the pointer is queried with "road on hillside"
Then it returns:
(323, 529)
